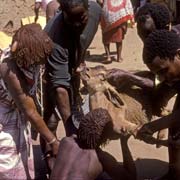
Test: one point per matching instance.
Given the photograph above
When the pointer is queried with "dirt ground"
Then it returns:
(13, 11)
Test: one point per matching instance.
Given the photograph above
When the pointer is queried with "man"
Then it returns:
(49, 7)
(64, 30)
(151, 17)
(80, 157)
(161, 54)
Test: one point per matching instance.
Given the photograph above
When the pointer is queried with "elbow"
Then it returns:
(30, 114)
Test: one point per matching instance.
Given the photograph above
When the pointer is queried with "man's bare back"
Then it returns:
(74, 162)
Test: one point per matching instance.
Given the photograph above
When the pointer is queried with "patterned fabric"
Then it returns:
(115, 12)
(16, 154)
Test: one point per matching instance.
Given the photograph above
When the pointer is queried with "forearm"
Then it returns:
(128, 161)
(169, 121)
(118, 77)
(39, 124)
(142, 82)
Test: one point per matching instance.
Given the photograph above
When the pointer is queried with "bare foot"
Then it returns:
(120, 59)
(108, 60)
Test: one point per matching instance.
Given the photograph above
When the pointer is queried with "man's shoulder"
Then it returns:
(68, 141)
(54, 23)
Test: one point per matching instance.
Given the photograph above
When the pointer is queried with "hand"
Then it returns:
(55, 147)
(81, 67)
(145, 133)
(117, 76)
(124, 138)
(51, 156)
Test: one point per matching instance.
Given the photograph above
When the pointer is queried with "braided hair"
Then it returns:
(93, 128)
(33, 45)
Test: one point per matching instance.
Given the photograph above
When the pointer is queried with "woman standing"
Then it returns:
(115, 15)
(19, 70)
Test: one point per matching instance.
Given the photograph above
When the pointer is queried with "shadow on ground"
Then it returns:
(147, 169)
(100, 58)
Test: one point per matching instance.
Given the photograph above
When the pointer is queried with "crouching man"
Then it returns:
(80, 156)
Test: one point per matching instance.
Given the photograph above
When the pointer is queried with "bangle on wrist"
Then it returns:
(52, 141)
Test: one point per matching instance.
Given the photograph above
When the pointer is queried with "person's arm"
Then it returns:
(37, 6)
(128, 161)
(16, 86)
(147, 130)
(51, 10)
(117, 77)
(116, 170)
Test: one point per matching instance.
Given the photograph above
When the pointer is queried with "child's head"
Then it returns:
(151, 17)
(161, 54)
(30, 45)
(94, 128)
(75, 13)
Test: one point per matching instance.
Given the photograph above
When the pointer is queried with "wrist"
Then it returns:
(52, 141)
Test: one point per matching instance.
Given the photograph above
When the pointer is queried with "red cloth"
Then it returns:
(115, 13)
(115, 35)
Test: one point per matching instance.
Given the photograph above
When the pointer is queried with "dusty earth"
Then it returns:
(14, 10)
(151, 162)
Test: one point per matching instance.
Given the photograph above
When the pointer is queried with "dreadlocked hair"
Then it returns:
(93, 128)
(68, 4)
(33, 45)
(159, 13)
(162, 43)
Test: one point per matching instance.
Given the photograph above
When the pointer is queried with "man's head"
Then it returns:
(75, 13)
(161, 54)
(31, 45)
(95, 129)
(151, 17)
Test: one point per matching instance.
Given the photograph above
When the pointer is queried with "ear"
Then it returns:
(178, 53)
(114, 97)
(14, 46)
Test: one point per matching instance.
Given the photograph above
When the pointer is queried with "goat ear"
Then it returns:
(113, 96)
(14, 46)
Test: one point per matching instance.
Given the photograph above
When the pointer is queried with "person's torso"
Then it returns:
(75, 163)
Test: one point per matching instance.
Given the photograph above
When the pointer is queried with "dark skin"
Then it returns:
(77, 19)
(169, 72)
(16, 85)
(50, 10)
(89, 163)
